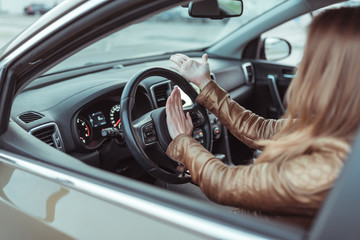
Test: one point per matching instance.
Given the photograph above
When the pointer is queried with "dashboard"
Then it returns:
(78, 108)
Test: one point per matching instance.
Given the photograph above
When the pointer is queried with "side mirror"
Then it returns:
(216, 9)
(275, 49)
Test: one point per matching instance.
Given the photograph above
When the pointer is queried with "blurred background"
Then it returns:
(18, 6)
(15, 16)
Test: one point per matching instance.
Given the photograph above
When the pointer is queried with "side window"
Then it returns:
(295, 32)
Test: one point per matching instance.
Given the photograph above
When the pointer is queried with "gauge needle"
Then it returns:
(117, 122)
(88, 131)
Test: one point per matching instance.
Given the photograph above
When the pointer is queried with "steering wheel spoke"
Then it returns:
(196, 116)
(199, 122)
(171, 165)
(144, 129)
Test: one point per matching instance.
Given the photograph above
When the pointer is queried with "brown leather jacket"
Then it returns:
(291, 191)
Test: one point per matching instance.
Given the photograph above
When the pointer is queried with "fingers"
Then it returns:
(182, 56)
(178, 62)
(179, 59)
(178, 103)
(204, 58)
(176, 68)
(174, 104)
(170, 120)
(176, 120)
(190, 125)
(188, 117)
(168, 106)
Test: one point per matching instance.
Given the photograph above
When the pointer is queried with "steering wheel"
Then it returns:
(150, 132)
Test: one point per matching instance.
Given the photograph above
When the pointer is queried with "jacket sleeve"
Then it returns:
(297, 186)
(243, 124)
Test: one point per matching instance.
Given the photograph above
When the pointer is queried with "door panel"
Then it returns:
(37, 207)
(234, 81)
(259, 86)
(272, 81)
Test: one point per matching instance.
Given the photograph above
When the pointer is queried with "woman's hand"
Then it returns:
(175, 118)
(193, 71)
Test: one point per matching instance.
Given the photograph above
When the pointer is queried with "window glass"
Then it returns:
(295, 32)
(167, 32)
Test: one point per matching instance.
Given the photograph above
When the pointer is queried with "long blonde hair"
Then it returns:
(323, 100)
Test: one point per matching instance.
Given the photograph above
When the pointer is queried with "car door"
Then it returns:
(279, 52)
(261, 89)
(74, 200)
(50, 194)
(272, 82)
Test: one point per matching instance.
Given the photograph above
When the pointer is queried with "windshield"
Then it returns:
(168, 32)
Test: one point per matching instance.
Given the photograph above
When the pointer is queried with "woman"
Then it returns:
(303, 152)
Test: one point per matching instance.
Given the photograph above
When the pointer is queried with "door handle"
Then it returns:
(288, 76)
(275, 93)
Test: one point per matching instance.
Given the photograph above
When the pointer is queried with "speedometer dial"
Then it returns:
(84, 130)
(115, 116)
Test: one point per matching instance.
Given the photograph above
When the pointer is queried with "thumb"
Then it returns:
(205, 58)
(188, 117)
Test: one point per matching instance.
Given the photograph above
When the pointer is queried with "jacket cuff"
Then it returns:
(175, 149)
(209, 95)
(187, 150)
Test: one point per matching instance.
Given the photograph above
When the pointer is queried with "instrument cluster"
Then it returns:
(91, 121)
(104, 113)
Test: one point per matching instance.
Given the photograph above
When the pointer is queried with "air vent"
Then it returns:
(249, 73)
(160, 93)
(49, 134)
(29, 117)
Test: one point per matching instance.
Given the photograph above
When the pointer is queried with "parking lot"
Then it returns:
(12, 25)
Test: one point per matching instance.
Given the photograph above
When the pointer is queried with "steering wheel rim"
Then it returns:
(175, 172)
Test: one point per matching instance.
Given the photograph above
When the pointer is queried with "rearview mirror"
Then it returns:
(216, 9)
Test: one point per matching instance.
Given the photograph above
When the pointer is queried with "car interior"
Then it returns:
(80, 111)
